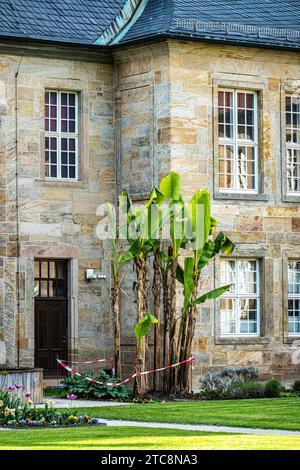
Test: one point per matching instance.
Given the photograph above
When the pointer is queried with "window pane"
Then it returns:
(293, 170)
(72, 99)
(228, 319)
(64, 171)
(36, 292)
(226, 166)
(61, 288)
(52, 269)
(72, 172)
(226, 115)
(61, 270)
(71, 126)
(44, 289)
(246, 168)
(44, 269)
(51, 289)
(37, 269)
(53, 171)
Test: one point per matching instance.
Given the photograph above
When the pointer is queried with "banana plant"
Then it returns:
(155, 221)
(140, 246)
(202, 225)
(117, 262)
(171, 188)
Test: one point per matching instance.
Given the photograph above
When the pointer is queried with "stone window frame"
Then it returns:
(266, 321)
(286, 89)
(58, 135)
(234, 84)
(76, 86)
(236, 296)
(288, 254)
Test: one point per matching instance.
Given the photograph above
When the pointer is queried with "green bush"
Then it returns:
(237, 383)
(230, 382)
(83, 388)
(296, 386)
(273, 389)
(239, 390)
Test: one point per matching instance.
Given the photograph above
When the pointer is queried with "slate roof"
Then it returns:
(70, 21)
(257, 22)
(274, 23)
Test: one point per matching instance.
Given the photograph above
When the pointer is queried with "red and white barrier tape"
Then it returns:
(131, 377)
(108, 360)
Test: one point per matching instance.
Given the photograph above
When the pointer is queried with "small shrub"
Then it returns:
(296, 386)
(288, 394)
(240, 390)
(273, 389)
(83, 388)
(222, 384)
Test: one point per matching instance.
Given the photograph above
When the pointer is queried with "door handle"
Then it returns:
(64, 338)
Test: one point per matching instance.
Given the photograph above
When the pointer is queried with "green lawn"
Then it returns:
(278, 413)
(117, 438)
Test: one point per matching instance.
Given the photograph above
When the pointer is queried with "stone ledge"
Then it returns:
(291, 339)
(287, 198)
(241, 340)
(61, 183)
(240, 196)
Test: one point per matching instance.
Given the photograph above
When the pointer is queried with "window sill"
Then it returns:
(240, 196)
(52, 183)
(291, 339)
(291, 198)
(136, 197)
(242, 340)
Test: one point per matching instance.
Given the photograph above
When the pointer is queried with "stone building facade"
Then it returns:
(143, 110)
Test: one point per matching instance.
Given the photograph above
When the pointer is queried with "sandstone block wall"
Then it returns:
(152, 111)
(53, 218)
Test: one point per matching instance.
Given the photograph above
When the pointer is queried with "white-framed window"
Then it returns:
(61, 135)
(238, 141)
(240, 307)
(294, 298)
(292, 114)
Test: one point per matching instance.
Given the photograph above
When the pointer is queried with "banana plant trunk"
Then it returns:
(115, 299)
(166, 331)
(186, 344)
(156, 288)
(173, 324)
(141, 306)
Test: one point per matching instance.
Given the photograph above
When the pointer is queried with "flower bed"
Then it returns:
(15, 414)
(31, 380)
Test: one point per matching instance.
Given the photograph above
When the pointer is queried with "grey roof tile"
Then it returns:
(204, 19)
(78, 21)
(274, 23)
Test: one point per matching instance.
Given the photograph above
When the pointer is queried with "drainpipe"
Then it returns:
(17, 211)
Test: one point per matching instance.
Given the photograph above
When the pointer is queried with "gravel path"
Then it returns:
(200, 427)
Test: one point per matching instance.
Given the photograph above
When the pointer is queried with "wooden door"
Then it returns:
(51, 316)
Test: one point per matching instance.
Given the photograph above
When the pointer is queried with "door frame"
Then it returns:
(69, 299)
